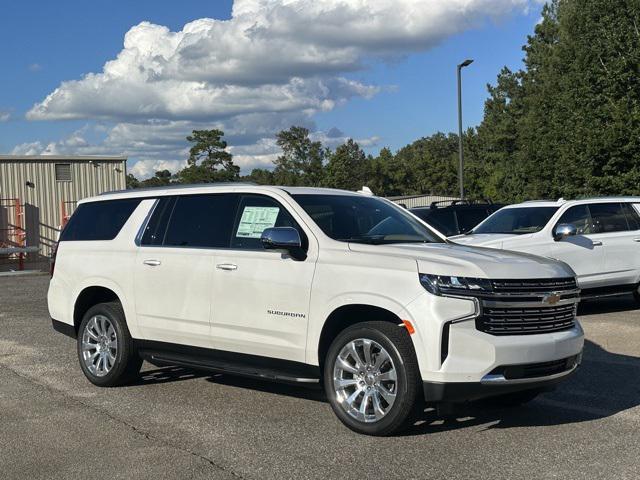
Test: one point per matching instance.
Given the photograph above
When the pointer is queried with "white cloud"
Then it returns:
(271, 56)
(273, 64)
(4, 116)
(35, 67)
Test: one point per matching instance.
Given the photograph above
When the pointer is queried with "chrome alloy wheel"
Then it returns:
(99, 345)
(365, 380)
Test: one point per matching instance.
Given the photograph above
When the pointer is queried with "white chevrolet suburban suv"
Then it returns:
(306, 286)
(599, 238)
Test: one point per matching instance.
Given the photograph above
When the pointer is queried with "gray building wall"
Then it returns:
(32, 179)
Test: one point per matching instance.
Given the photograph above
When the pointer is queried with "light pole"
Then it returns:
(466, 63)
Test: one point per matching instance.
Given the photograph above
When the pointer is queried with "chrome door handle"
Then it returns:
(226, 266)
(597, 243)
(636, 239)
(152, 263)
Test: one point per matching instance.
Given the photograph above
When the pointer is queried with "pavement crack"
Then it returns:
(137, 431)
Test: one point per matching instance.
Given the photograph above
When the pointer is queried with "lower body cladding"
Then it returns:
(459, 363)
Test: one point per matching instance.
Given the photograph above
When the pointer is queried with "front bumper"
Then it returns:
(451, 349)
(503, 380)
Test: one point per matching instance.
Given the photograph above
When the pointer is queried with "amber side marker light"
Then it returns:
(409, 326)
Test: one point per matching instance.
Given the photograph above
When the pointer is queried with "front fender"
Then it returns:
(358, 298)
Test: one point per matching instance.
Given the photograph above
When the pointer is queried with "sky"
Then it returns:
(134, 78)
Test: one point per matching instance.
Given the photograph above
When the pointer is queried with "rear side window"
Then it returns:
(156, 228)
(256, 213)
(203, 221)
(99, 220)
(442, 220)
(467, 219)
(632, 216)
(608, 217)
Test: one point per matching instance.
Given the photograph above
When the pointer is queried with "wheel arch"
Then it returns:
(94, 291)
(347, 315)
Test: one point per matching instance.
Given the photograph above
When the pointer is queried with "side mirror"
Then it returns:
(283, 238)
(563, 231)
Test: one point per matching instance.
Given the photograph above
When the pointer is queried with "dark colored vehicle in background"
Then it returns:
(460, 216)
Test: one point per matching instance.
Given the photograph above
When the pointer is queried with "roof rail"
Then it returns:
(179, 186)
(472, 201)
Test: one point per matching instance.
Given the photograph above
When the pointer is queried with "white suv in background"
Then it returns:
(310, 286)
(599, 238)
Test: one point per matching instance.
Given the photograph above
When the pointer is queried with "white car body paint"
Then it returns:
(186, 300)
(605, 259)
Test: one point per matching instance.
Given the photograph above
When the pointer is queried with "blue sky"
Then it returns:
(381, 98)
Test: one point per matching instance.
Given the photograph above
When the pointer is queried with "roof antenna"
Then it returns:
(365, 191)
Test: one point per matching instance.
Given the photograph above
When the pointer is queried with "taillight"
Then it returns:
(52, 265)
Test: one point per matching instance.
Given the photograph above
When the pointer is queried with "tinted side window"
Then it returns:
(608, 217)
(256, 213)
(99, 220)
(157, 226)
(444, 221)
(201, 221)
(632, 216)
(579, 217)
(467, 219)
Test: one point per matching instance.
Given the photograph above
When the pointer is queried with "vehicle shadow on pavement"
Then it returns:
(306, 392)
(623, 303)
(603, 386)
(158, 375)
(168, 375)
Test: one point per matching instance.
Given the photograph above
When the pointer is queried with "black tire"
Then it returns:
(407, 387)
(511, 400)
(636, 294)
(127, 364)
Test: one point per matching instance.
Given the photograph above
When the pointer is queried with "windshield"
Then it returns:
(350, 218)
(518, 221)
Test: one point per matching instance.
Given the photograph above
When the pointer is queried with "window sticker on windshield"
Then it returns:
(255, 219)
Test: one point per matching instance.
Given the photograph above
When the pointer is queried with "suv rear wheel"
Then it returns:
(371, 378)
(105, 347)
(636, 293)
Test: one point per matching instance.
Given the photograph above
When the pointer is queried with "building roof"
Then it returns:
(61, 158)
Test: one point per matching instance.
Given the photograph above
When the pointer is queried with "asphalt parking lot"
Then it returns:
(177, 423)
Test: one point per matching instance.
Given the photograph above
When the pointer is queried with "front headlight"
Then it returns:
(443, 285)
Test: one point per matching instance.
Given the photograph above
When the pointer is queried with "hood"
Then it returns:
(466, 261)
(493, 240)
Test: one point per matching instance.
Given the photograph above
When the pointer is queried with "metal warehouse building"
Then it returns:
(38, 193)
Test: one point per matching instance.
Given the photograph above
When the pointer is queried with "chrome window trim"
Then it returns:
(138, 238)
(508, 304)
(490, 295)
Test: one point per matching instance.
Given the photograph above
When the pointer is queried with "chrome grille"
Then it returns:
(505, 321)
(525, 307)
(537, 285)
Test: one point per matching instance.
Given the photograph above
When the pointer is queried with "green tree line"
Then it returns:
(566, 124)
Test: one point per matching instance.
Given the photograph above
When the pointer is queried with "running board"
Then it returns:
(230, 363)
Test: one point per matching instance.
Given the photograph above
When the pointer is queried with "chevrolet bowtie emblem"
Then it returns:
(551, 298)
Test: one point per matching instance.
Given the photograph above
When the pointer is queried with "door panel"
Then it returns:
(266, 303)
(175, 264)
(620, 251)
(261, 297)
(173, 288)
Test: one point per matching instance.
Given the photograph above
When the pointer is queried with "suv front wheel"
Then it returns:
(371, 378)
(105, 347)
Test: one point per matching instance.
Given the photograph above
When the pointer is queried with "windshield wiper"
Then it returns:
(407, 241)
(366, 240)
